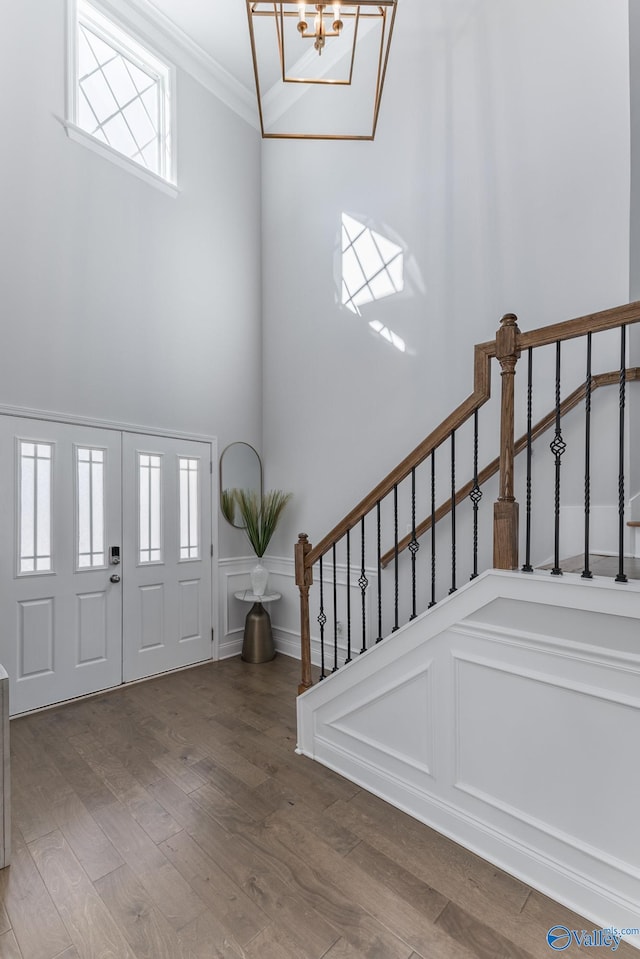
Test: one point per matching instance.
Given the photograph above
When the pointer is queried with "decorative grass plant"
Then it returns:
(260, 515)
(228, 503)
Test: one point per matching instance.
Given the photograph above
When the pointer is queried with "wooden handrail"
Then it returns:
(592, 323)
(568, 404)
(481, 393)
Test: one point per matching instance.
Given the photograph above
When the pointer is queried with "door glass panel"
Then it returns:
(149, 508)
(35, 507)
(189, 508)
(90, 465)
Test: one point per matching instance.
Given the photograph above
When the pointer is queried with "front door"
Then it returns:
(167, 545)
(105, 565)
(61, 511)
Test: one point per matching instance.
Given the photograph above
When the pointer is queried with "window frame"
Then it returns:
(18, 507)
(136, 48)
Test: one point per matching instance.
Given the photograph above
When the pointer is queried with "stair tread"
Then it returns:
(600, 565)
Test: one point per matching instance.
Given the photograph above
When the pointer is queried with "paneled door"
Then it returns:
(167, 545)
(61, 615)
(105, 558)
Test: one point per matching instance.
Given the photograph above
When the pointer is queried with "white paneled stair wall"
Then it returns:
(507, 718)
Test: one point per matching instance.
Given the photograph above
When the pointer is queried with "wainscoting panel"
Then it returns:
(516, 739)
(234, 576)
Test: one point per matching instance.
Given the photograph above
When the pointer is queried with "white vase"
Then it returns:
(259, 580)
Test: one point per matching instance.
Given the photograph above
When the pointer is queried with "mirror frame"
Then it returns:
(222, 486)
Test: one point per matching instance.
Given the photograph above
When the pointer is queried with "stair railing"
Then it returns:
(350, 534)
(570, 402)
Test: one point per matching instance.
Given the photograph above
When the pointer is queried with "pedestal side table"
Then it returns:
(257, 645)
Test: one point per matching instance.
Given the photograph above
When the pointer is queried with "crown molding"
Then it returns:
(152, 24)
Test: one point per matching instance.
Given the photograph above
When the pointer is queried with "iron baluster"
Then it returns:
(528, 568)
(396, 598)
(414, 545)
(586, 572)
(453, 512)
(475, 495)
(322, 619)
(363, 582)
(433, 529)
(348, 659)
(335, 612)
(379, 636)
(557, 447)
(622, 576)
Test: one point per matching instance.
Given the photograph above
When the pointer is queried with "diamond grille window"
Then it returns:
(122, 92)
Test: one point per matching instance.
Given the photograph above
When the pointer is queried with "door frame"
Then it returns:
(71, 419)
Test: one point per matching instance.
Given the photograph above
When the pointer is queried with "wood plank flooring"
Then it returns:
(172, 820)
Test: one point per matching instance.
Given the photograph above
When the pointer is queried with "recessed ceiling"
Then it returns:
(220, 30)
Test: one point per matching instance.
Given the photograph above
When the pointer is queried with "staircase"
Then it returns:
(500, 707)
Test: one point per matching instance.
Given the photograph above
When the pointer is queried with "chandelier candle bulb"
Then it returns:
(319, 29)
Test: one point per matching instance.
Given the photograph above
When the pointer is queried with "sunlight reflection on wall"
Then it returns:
(372, 268)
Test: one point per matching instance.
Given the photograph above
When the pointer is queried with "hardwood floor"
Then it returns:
(172, 820)
(600, 565)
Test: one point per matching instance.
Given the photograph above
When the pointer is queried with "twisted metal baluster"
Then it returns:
(586, 572)
(348, 659)
(335, 612)
(322, 619)
(363, 582)
(528, 568)
(621, 577)
(379, 636)
(396, 600)
(453, 512)
(433, 529)
(414, 545)
(475, 495)
(557, 447)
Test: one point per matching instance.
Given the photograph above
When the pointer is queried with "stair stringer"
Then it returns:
(507, 718)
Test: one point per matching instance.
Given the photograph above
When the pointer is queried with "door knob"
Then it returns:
(115, 578)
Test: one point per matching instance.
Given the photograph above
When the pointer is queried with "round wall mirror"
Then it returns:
(240, 468)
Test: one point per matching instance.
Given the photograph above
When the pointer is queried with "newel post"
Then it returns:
(304, 579)
(505, 510)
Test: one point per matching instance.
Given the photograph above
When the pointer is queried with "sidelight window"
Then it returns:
(189, 508)
(149, 508)
(35, 486)
(90, 465)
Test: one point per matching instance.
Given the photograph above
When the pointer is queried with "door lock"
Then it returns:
(115, 578)
(114, 555)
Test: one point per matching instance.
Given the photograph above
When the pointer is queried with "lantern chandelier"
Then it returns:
(320, 48)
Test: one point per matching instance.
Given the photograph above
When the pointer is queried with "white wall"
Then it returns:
(118, 301)
(502, 165)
